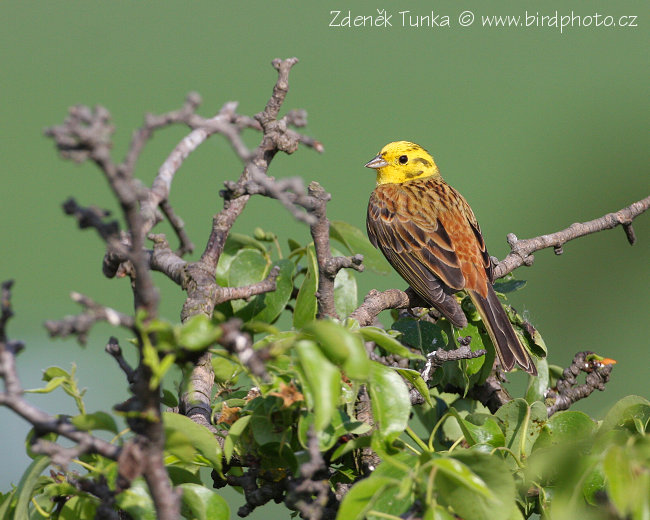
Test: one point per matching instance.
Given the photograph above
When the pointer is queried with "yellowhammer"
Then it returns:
(430, 235)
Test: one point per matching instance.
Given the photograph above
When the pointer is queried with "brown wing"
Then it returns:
(428, 233)
(403, 223)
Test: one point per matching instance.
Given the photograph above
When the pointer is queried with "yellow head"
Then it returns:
(402, 161)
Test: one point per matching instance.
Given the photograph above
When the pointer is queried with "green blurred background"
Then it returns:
(537, 128)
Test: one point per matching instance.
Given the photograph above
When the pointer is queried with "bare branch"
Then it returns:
(42, 421)
(186, 245)
(328, 266)
(276, 137)
(166, 261)
(225, 294)
(113, 348)
(12, 398)
(152, 123)
(290, 192)
(522, 250)
(567, 391)
(81, 324)
(241, 344)
(86, 135)
(93, 217)
(195, 400)
(201, 130)
(439, 357)
(6, 312)
(376, 301)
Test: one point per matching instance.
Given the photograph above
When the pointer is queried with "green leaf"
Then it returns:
(422, 335)
(178, 445)
(457, 373)
(237, 241)
(169, 398)
(180, 475)
(293, 245)
(268, 306)
(391, 405)
(200, 438)
(396, 499)
(77, 508)
(306, 304)
(225, 261)
(565, 427)
(534, 340)
(197, 333)
(342, 347)
(472, 366)
(388, 342)
(54, 372)
(137, 502)
(538, 386)
(6, 505)
(619, 478)
(437, 512)
(467, 501)
(29, 441)
(265, 430)
(248, 267)
(414, 377)
(201, 503)
(594, 486)
(159, 369)
(523, 424)
(508, 286)
(362, 497)
(462, 475)
(345, 291)
(356, 242)
(95, 421)
(480, 429)
(335, 341)
(322, 380)
(278, 460)
(52, 384)
(225, 369)
(624, 413)
(234, 434)
(354, 444)
(26, 486)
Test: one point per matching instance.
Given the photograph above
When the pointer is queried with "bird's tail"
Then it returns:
(508, 347)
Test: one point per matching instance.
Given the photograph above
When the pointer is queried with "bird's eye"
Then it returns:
(403, 159)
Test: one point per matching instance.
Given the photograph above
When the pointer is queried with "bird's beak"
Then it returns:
(376, 162)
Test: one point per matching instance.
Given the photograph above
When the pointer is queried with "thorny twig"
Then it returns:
(522, 250)
(567, 390)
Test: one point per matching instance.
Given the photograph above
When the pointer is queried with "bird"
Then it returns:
(428, 232)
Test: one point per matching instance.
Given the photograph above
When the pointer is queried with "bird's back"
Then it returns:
(429, 221)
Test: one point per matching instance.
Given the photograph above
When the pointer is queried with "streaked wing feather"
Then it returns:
(419, 248)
